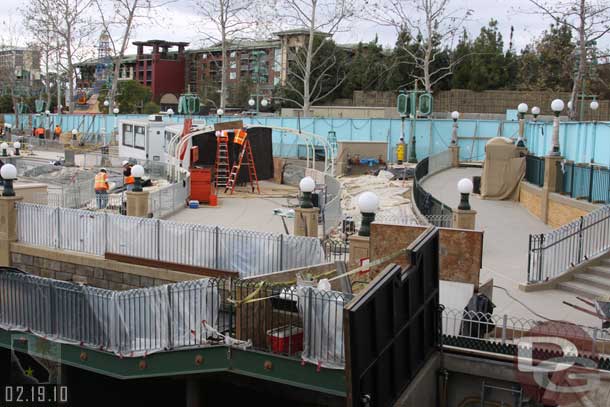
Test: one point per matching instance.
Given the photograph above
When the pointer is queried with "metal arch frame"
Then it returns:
(177, 142)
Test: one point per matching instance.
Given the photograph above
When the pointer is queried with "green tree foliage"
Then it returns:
(367, 69)
(151, 108)
(6, 104)
(548, 62)
(487, 63)
(131, 98)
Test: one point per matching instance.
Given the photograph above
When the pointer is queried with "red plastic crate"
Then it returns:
(287, 339)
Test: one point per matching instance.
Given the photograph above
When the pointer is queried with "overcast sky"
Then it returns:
(179, 22)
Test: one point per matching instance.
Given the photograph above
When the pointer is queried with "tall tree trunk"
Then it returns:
(308, 60)
(224, 71)
(582, 63)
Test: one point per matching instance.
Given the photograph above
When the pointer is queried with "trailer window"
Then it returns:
(128, 135)
(140, 138)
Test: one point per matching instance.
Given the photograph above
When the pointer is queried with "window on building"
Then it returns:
(232, 75)
(128, 135)
(168, 138)
(233, 65)
(233, 54)
(140, 138)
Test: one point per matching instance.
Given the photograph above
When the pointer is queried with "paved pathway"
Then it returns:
(507, 226)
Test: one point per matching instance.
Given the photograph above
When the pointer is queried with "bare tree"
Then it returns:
(589, 19)
(321, 19)
(118, 19)
(229, 18)
(431, 23)
(43, 42)
(68, 21)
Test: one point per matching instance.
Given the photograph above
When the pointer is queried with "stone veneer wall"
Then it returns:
(561, 209)
(91, 270)
(461, 251)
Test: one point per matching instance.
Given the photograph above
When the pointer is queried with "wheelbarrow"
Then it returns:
(601, 309)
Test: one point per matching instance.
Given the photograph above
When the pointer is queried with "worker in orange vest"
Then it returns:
(240, 136)
(101, 188)
(128, 179)
(40, 132)
(57, 132)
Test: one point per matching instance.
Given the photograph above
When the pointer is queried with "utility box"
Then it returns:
(201, 184)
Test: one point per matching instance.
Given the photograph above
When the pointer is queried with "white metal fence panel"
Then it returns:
(82, 231)
(38, 225)
(131, 236)
(193, 245)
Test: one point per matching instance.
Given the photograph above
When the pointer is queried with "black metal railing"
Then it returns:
(436, 212)
(534, 170)
(553, 253)
(335, 250)
(584, 181)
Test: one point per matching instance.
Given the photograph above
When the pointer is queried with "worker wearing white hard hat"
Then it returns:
(128, 179)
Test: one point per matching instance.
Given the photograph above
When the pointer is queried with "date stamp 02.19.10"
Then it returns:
(34, 376)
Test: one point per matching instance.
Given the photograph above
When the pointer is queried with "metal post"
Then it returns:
(504, 323)
(540, 256)
(159, 239)
(529, 259)
(281, 252)
(591, 173)
(572, 181)
(216, 248)
(579, 241)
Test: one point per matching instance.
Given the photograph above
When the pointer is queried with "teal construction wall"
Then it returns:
(580, 141)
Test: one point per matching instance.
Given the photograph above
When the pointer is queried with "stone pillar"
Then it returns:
(306, 222)
(69, 158)
(455, 156)
(464, 219)
(359, 248)
(137, 204)
(550, 172)
(8, 227)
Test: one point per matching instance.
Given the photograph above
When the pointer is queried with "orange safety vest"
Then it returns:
(58, 130)
(130, 180)
(240, 136)
(101, 181)
(40, 131)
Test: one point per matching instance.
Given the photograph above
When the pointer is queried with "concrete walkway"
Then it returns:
(507, 226)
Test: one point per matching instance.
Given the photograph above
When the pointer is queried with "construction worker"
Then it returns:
(40, 134)
(128, 179)
(57, 132)
(101, 188)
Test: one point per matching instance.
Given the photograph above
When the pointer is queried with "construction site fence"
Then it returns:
(247, 252)
(588, 181)
(552, 254)
(167, 200)
(297, 321)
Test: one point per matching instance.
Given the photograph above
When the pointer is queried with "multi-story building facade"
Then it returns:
(20, 70)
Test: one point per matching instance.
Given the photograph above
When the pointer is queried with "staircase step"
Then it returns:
(603, 283)
(584, 290)
(606, 262)
(601, 271)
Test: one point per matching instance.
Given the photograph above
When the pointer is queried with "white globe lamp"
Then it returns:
(368, 203)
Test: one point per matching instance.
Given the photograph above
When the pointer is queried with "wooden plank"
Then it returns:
(171, 266)
(235, 124)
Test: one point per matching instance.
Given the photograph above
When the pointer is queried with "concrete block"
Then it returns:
(47, 273)
(132, 279)
(38, 261)
(15, 258)
(84, 271)
(25, 259)
(52, 265)
(146, 281)
(113, 276)
(99, 273)
(68, 268)
(60, 275)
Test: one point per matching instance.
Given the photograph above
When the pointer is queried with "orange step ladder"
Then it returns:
(245, 150)
(222, 160)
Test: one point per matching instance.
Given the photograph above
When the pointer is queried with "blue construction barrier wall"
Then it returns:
(580, 141)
